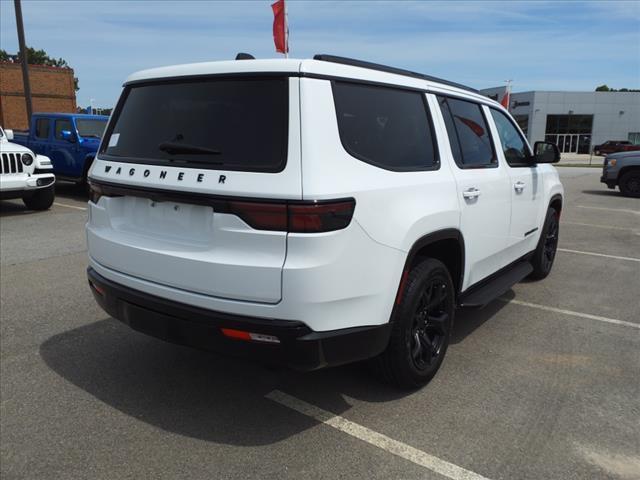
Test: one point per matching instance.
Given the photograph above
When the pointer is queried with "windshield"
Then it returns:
(90, 128)
(234, 124)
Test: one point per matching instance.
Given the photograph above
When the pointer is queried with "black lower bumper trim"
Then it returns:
(300, 347)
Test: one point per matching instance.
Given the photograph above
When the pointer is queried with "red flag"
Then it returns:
(505, 100)
(475, 127)
(280, 27)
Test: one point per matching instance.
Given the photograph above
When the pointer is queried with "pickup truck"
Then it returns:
(69, 140)
(615, 146)
(622, 169)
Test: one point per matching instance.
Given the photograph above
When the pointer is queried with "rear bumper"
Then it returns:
(300, 347)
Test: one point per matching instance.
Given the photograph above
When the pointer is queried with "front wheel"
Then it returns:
(629, 183)
(545, 252)
(41, 199)
(421, 326)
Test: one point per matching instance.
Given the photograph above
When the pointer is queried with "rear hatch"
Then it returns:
(186, 165)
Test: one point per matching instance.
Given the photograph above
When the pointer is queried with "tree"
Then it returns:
(605, 88)
(38, 57)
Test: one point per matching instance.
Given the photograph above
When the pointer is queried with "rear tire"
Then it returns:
(42, 199)
(421, 326)
(629, 184)
(545, 252)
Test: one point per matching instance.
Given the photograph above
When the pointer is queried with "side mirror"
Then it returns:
(9, 134)
(67, 135)
(546, 152)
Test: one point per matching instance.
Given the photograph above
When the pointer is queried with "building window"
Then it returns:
(572, 133)
(569, 124)
(634, 137)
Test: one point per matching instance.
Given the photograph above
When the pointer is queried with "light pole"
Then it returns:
(23, 59)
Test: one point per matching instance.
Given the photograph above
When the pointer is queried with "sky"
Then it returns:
(540, 45)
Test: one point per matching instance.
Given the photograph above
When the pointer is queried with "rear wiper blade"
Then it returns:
(192, 160)
(178, 147)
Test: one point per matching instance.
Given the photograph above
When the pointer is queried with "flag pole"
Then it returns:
(286, 30)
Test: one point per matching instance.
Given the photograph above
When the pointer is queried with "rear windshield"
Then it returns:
(230, 124)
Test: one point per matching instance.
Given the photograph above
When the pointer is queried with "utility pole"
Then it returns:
(23, 59)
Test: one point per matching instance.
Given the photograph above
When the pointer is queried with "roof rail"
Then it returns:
(384, 68)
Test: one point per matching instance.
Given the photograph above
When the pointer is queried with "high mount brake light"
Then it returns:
(312, 217)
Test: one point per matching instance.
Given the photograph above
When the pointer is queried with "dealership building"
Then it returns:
(575, 121)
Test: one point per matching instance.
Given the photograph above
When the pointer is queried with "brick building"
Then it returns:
(52, 90)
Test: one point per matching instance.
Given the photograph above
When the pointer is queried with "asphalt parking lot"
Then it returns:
(542, 384)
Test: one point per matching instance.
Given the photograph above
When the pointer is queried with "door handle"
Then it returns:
(472, 192)
(519, 186)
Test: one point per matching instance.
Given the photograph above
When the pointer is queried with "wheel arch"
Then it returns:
(446, 245)
(627, 168)
(556, 203)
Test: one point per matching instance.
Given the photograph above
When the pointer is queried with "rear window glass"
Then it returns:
(230, 124)
(387, 127)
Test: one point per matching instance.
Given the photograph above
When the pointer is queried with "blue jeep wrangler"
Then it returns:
(69, 140)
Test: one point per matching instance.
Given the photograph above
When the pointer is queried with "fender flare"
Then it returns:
(555, 197)
(429, 239)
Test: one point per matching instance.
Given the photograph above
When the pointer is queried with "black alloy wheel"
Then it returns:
(429, 325)
(630, 183)
(545, 253)
(421, 326)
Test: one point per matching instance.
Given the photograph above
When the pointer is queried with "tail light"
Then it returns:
(278, 215)
(303, 217)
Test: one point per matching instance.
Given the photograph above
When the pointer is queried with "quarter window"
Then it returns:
(42, 128)
(516, 150)
(468, 133)
(386, 127)
(60, 126)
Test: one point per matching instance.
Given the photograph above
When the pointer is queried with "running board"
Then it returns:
(480, 296)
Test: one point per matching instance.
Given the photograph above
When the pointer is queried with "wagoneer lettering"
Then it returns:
(367, 204)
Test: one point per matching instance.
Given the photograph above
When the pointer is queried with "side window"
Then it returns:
(60, 126)
(516, 150)
(468, 133)
(386, 127)
(42, 128)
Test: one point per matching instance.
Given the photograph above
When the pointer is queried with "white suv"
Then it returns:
(314, 212)
(25, 175)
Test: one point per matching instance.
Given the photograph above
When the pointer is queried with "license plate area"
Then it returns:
(168, 220)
